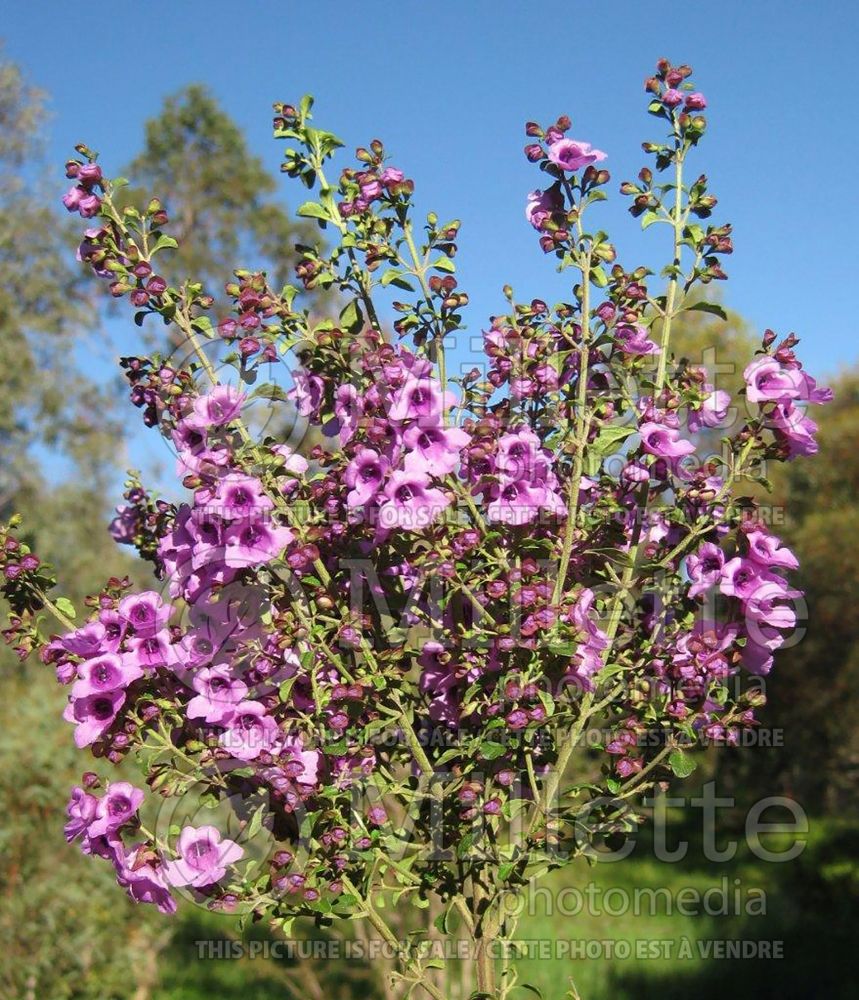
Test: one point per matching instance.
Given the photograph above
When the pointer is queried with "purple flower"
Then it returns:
(767, 550)
(420, 399)
(152, 651)
(570, 154)
(794, 430)
(768, 381)
(307, 393)
(713, 410)
(348, 408)
(541, 205)
(218, 693)
(93, 715)
(411, 503)
(739, 578)
(203, 857)
(440, 682)
(633, 339)
(146, 613)
(705, 568)
(250, 731)
(766, 604)
(81, 812)
(671, 98)
(106, 673)
(86, 641)
(255, 544)
(435, 450)
(304, 764)
(240, 496)
(219, 406)
(365, 475)
(142, 880)
(664, 442)
(757, 659)
(115, 808)
(516, 502)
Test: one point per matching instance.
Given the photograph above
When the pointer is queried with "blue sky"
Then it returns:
(447, 85)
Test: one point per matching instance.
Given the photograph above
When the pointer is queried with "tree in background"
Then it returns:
(219, 196)
(62, 936)
(815, 697)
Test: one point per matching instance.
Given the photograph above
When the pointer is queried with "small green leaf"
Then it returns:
(163, 243)
(491, 750)
(65, 605)
(352, 318)
(313, 210)
(681, 763)
(708, 307)
(269, 390)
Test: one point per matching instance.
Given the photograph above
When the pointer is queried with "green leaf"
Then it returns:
(708, 307)
(269, 390)
(491, 750)
(163, 243)
(444, 264)
(609, 438)
(598, 277)
(351, 318)
(681, 763)
(649, 218)
(65, 605)
(313, 210)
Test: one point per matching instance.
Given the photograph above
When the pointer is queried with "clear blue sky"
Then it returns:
(448, 85)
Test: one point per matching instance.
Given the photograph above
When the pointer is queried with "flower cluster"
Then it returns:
(458, 576)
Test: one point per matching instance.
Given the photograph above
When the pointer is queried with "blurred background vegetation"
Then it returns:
(68, 931)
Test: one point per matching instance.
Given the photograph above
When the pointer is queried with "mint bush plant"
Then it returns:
(371, 665)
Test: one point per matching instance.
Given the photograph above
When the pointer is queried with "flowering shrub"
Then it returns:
(382, 655)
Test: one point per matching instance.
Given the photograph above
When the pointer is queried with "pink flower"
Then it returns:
(767, 550)
(794, 430)
(768, 381)
(250, 731)
(81, 812)
(142, 880)
(570, 154)
(664, 442)
(541, 205)
(671, 98)
(219, 406)
(516, 502)
(420, 399)
(391, 176)
(240, 496)
(93, 715)
(365, 475)
(146, 613)
(411, 503)
(634, 340)
(255, 543)
(115, 808)
(696, 101)
(218, 693)
(203, 857)
(713, 410)
(105, 673)
(435, 450)
(705, 568)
